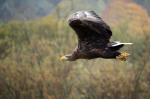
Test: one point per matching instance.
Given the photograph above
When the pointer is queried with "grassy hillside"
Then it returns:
(25, 9)
(66, 7)
(31, 9)
(30, 67)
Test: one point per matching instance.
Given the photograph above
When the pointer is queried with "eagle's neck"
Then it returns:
(73, 56)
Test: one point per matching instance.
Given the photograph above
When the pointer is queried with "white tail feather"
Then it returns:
(127, 43)
(116, 43)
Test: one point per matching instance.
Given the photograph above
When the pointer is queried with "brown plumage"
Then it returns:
(93, 38)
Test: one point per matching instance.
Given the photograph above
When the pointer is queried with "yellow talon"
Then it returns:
(123, 56)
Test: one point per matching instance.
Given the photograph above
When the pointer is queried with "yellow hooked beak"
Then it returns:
(63, 58)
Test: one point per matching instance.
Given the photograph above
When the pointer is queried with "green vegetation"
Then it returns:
(30, 67)
(66, 7)
(25, 9)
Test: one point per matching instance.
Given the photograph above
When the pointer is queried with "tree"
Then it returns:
(128, 17)
(144, 3)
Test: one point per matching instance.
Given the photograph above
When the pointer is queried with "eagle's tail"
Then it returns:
(116, 45)
(126, 43)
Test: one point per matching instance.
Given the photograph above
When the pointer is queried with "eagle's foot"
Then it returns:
(123, 56)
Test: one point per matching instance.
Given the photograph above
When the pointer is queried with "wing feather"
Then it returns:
(91, 30)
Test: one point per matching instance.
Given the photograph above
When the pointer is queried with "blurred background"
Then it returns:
(35, 33)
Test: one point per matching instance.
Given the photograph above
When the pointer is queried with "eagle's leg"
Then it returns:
(123, 56)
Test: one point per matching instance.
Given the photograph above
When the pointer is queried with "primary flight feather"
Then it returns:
(93, 38)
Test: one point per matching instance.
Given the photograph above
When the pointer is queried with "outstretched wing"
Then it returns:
(91, 30)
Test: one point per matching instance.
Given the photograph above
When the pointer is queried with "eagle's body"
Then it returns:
(93, 37)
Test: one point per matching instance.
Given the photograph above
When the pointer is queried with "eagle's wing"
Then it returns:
(91, 30)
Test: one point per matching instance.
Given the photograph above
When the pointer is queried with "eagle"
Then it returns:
(93, 38)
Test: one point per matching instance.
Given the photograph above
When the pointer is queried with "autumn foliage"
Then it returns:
(30, 67)
(133, 17)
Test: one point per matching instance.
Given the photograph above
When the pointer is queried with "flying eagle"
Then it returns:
(93, 38)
